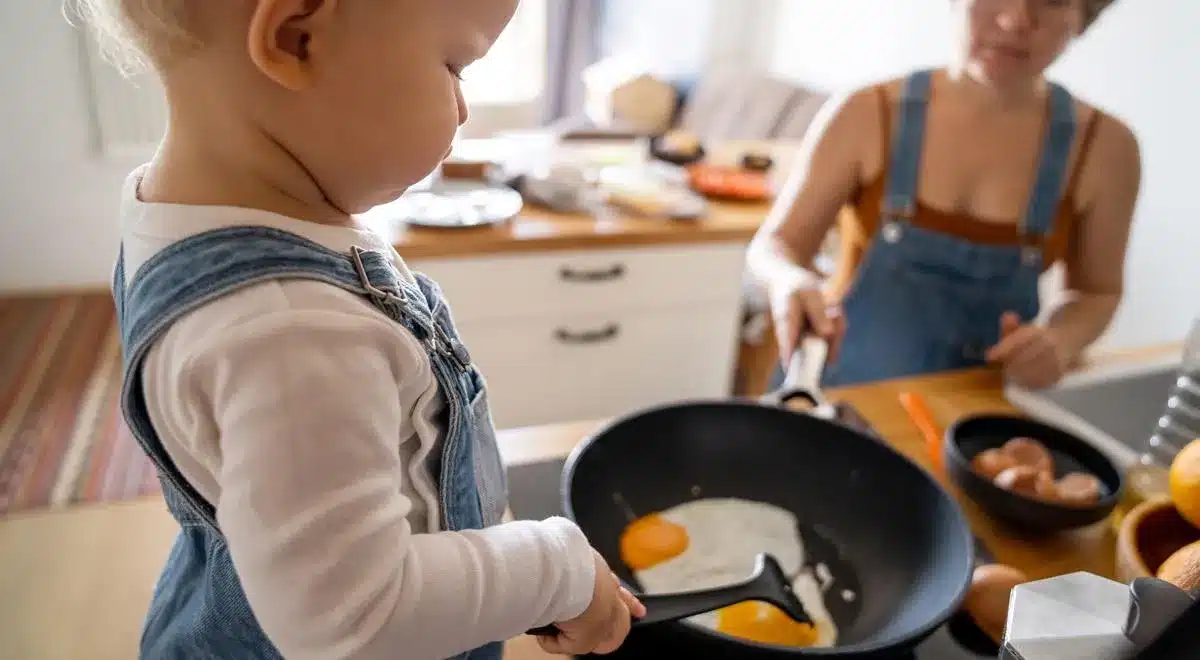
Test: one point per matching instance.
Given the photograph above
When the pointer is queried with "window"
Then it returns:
(504, 88)
(514, 71)
(685, 38)
(635, 29)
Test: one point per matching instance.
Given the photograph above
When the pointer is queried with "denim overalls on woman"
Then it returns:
(199, 610)
(925, 301)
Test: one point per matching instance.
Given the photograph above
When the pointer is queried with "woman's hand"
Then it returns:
(799, 310)
(1030, 354)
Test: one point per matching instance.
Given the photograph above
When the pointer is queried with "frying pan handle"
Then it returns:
(803, 378)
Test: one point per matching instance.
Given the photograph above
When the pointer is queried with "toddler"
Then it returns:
(320, 432)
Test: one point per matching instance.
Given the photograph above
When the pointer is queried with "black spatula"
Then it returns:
(767, 584)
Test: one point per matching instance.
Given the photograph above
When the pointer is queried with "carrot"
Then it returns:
(918, 411)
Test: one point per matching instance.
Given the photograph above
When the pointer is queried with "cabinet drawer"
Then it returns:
(590, 366)
(588, 281)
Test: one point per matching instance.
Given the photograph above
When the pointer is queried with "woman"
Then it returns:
(960, 188)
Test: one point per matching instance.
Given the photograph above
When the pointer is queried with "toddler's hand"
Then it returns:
(602, 627)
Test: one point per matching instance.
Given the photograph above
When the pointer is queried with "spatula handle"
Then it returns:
(762, 586)
(664, 608)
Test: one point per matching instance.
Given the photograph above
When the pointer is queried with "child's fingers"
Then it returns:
(636, 608)
(558, 645)
(618, 629)
(552, 645)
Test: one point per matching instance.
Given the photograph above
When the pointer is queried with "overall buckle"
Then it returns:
(380, 295)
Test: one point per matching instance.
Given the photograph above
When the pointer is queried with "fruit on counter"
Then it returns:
(987, 597)
(1185, 482)
(1182, 569)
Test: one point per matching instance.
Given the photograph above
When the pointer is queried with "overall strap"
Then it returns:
(904, 170)
(118, 286)
(201, 268)
(1052, 165)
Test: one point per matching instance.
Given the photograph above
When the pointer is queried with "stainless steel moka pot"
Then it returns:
(1086, 617)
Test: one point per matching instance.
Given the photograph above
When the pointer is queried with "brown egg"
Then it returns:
(1027, 451)
(1046, 488)
(1079, 489)
(987, 598)
(1182, 569)
(1022, 480)
(990, 463)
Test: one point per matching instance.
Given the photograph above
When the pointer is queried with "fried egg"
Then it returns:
(714, 542)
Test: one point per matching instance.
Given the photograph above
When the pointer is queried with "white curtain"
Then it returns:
(573, 43)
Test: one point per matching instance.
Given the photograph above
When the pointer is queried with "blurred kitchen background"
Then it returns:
(67, 138)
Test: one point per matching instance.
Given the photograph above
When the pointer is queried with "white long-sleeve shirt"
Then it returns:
(309, 419)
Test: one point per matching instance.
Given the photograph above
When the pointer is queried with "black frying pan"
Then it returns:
(890, 535)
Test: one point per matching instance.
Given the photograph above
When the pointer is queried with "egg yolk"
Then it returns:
(651, 540)
(765, 624)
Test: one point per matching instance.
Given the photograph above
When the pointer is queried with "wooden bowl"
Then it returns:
(1149, 534)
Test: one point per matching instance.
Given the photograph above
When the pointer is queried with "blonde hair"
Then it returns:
(137, 34)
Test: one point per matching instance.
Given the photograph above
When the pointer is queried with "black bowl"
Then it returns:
(658, 152)
(756, 162)
(971, 436)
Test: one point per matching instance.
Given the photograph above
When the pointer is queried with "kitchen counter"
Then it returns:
(538, 230)
(91, 569)
(949, 396)
(611, 294)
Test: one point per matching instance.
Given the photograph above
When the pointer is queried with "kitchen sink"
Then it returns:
(1116, 408)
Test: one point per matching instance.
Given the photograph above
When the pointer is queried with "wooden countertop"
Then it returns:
(538, 230)
(91, 569)
(950, 396)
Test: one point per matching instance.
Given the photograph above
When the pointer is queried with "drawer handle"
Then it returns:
(616, 272)
(605, 334)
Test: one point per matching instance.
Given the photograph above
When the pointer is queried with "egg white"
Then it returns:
(725, 537)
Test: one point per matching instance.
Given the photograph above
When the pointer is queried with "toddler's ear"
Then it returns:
(284, 35)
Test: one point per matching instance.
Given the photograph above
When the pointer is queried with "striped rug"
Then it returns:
(62, 439)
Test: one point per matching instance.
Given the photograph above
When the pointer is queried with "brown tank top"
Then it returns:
(859, 220)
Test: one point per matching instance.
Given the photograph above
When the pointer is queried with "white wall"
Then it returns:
(1141, 62)
(58, 199)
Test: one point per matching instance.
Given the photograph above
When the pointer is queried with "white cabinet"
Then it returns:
(567, 336)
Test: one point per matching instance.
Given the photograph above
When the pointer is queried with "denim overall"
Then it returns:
(199, 611)
(925, 301)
